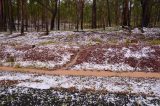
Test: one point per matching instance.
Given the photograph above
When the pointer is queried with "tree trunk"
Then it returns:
(3, 24)
(77, 22)
(46, 18)
(130, 13)
(10, 16)
(125, 13)
(1, 16)
(94, 14)
(146, 10)
(109, 19)
(54, 13)
(82, 11)
(116, 12)
(77, 14)
(58, 14)
(26, 15)
(18, 14)
(22, 17)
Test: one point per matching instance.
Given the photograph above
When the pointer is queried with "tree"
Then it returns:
(22, 16)
(109, 19)
(40, 15)
(146, 11)
(125, 13)
(10, 17)
(18, 14)
(54, 13)
(58, 20)
(3, 23)
(94, 14)
(46, 18)
(117, 12)
(80, 12)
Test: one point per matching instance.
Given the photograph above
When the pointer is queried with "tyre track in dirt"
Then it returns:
(83, 73)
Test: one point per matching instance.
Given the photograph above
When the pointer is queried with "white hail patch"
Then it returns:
(111, 84)
(137, 54)
(106, 66)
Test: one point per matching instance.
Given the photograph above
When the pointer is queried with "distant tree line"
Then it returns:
(46, 15)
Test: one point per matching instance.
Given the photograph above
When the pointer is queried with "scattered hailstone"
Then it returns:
(137, 54)
(136, 30)
(106, 66)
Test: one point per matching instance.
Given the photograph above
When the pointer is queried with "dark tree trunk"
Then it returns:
(54, 13)
(81, 14)
(1, 16)
(3, 24)
(11, 18)
(46, 18)
(125, 14)
(146, 10)
(77, 21)
(116, 12)
(109, 19)
(58, 15)
(94, 15)
(77, 14)
(158, 17)
(52, 21)
(18, 14)
(129, 14)
(22, 17)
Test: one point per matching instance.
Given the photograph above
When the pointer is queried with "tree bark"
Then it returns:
(109, 19)
(125, 13)
(82, 12)
(46, 18)
(116, 12)
(10, 17)
(22, 17)
(18, 14)
(94, 14)
(58, 22)
(146, 10)
(3, 23)
(54, 13)
(78, 15)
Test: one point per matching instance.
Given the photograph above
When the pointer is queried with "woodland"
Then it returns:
(46, 15)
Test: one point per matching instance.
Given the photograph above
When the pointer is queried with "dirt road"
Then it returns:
(84, 73)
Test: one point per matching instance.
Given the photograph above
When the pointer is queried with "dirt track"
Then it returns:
(84, 73)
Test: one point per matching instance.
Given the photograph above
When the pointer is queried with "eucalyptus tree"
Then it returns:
(94, 14)
(3, 24)
(52, 8)
(146, 12)
(125, 13)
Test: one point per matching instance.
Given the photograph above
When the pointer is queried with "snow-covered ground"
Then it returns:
(119, 58)
(111, 84)
(48, 56)
(37, 50)
(82, 38)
